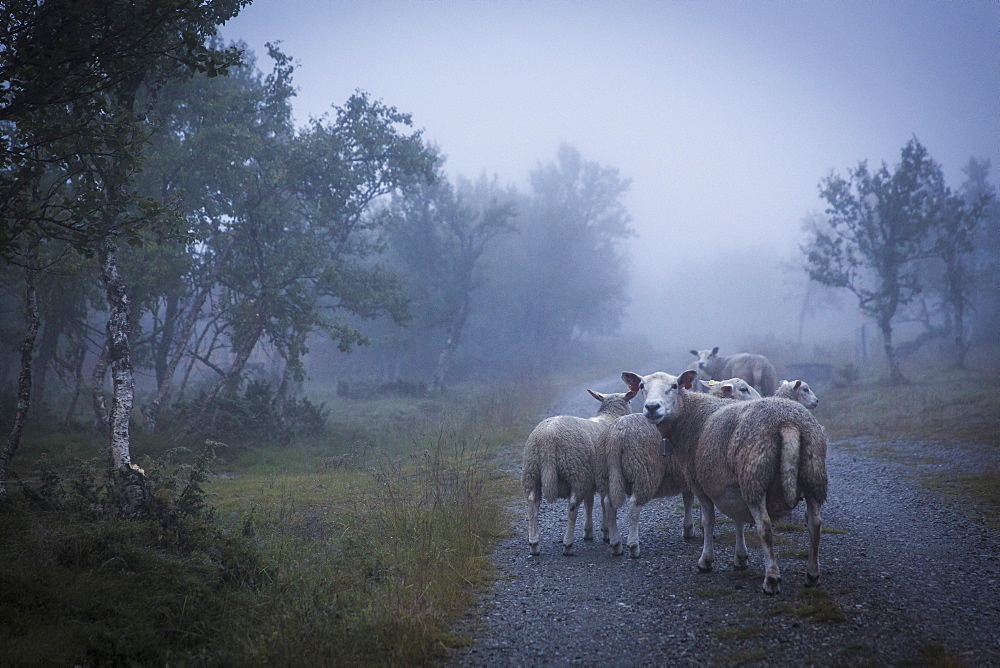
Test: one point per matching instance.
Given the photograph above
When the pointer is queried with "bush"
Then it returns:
(255, 417)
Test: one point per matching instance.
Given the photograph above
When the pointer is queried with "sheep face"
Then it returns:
(705, 362)
(734, 388)
(661, 393)
(799, 391)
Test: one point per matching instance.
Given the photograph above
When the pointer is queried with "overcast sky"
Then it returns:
(725, 115)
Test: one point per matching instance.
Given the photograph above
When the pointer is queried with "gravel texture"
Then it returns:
(913, 572)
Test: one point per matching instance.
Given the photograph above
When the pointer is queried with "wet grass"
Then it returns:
(300, 556)
(981, 489)
(954, 408)
(814, 604)
(740, 633)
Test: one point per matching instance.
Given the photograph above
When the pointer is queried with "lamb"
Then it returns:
(631, 463)
(755, 369)
(799, 391)
(753, 460)
(559, 463)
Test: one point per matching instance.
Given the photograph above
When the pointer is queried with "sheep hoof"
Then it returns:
(688, 532)
(705, 566)
(741, 563)
(812, 580)
(772, 585)
(605, 537)
(567, 550)
(633, 551)
(616, 549)
(588, 535)
(534, 549)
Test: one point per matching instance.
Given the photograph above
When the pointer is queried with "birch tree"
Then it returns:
(77, 75)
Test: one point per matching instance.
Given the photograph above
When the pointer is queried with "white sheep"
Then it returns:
(733, 388)
(753, 460)
(632, 463)
(799, 391)
(755, 369)
(559, 464)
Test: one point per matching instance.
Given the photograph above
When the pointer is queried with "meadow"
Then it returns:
(365, 545)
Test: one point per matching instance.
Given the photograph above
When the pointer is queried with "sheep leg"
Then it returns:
(588, 524)
(633, 529)
(574, 508)
(534, 501)
(605, 513)
(772, 575)
(614, 538)
(688, 518)
(814, 523)
(742, 558)
(707, 558)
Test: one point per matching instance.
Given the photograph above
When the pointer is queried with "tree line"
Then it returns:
(162, 213)
(909, 247)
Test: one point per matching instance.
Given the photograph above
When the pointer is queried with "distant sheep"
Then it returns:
(799, 391)
(755, 369)
(559, 464)
(753, 460)
(631, 463)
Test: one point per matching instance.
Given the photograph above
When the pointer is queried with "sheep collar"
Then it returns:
(668, 445)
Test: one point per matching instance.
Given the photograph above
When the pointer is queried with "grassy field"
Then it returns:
(363, 548)
(937, 403)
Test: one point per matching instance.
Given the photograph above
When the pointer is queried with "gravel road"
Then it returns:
(912, 573)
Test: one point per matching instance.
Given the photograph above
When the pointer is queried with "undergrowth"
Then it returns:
(361, 550)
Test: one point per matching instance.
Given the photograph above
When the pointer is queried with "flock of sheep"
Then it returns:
(746, 446)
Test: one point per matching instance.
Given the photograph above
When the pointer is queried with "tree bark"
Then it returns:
(455, 328)
(98, 400)
(235, 369)
(895, 375)
(182, 338)
(24, 379)
(118, 358)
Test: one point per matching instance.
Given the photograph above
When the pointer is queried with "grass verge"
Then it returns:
(289, 560)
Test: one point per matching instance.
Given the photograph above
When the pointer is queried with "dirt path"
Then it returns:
(913, 574)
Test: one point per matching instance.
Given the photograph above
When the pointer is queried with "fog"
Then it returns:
(725, 116)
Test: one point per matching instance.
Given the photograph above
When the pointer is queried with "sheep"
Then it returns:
(631, 462)
(755, 369)
(559, 463)
(733, 388)
(799, 391)
(753, 460)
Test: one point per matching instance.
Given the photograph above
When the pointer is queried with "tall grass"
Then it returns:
(362, 549)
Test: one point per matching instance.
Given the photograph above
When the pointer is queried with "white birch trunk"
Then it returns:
(118, 358)
(24, 380)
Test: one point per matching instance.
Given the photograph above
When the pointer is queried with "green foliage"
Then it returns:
(334, 565)
(257, 416)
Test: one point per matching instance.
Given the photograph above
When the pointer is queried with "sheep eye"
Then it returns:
(674, 386)
(642, 386)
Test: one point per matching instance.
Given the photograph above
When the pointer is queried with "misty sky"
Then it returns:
(725, 115)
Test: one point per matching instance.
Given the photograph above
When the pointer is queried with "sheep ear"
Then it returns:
(687, 378)
(630, 395)
(727, 391)
(715, 351)
(632, 380)
(599, 397)
(694, 352)
(798, 384)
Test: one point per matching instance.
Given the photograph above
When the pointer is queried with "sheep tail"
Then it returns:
(790, 450)
(616, 479)
(550, 478)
